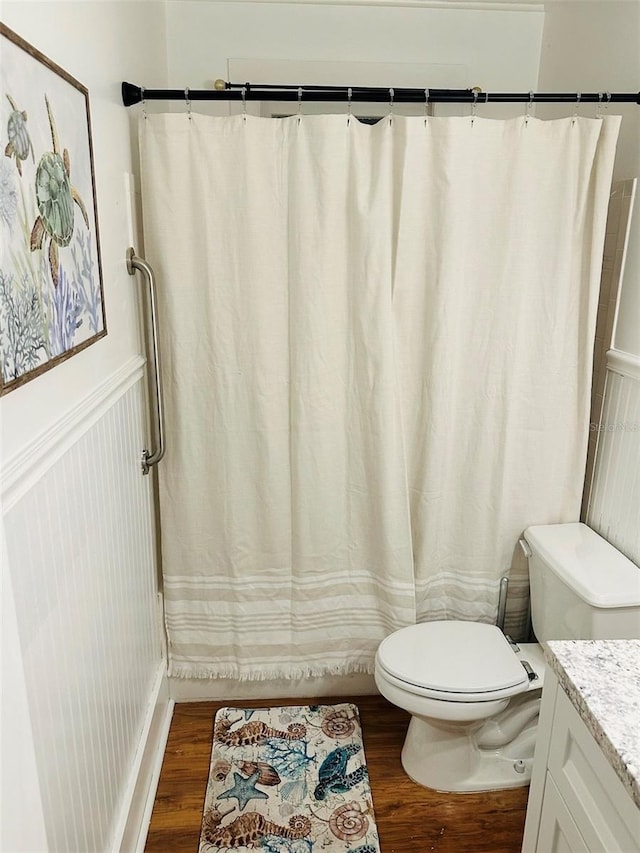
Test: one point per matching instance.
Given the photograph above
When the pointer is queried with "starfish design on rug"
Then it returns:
(244, 790)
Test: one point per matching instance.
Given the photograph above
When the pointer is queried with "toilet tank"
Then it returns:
(582, 588)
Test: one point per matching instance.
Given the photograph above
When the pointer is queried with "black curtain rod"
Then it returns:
(132, 94)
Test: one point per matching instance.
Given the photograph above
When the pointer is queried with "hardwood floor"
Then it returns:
(410, 819)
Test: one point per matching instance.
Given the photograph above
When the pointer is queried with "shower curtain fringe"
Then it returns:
(284, 672)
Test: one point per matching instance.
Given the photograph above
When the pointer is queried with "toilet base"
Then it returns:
(444, 756)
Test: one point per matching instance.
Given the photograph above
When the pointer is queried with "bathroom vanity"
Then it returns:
(585, 787)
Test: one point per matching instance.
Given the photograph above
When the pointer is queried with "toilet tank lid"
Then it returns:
(587, 563)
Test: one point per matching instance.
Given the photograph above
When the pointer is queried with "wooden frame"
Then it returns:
(51, 290)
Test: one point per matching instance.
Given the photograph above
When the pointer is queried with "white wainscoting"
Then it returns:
(615, 491)
(79, 534)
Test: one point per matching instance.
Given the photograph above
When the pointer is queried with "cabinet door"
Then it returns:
(558, 831)
(608, 818)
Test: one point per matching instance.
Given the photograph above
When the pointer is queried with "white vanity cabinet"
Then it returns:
(577, 801)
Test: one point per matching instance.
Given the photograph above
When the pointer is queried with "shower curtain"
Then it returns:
(377, 348)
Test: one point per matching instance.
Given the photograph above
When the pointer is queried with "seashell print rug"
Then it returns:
(288, 780)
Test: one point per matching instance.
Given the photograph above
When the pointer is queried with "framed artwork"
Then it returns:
(51, 293)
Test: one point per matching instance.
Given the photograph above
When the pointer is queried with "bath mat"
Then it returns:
(288, 780)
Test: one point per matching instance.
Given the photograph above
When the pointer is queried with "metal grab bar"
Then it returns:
(502, 602)
(150, 458)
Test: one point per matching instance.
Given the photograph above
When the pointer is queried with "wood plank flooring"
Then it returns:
(410, 818)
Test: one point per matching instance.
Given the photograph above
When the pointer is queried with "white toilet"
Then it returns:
(473, 696)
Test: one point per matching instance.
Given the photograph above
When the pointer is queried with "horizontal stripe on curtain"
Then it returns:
(377, 352)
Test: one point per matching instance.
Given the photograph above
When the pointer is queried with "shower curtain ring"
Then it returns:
(575, 115)
(299, 104)
(599, 109)
(528, 111)
(426, 106)
(349, 94)
(187, 101)
(143, 102)
(244, 104)
(474, 104)
(391, 96)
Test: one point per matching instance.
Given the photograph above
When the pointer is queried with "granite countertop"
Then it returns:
(602, 680)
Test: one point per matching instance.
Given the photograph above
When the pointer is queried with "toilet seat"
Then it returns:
(452, 661)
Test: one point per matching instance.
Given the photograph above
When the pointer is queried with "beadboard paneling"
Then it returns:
(80, 545)
(615, 493)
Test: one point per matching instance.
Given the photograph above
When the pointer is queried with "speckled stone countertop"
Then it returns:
(602, 680)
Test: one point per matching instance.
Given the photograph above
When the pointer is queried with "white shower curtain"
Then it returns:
(377, 354)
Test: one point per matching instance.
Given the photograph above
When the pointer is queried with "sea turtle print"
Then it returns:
(55, 197)
(19, 145)
(333, 776)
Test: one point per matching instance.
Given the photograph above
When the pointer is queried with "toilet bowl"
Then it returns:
(473, 695)
(473, 704)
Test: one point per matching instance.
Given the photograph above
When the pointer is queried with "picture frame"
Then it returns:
(51, 286)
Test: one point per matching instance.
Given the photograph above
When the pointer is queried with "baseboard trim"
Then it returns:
(137, 803)
(154, 779)
(24, 469)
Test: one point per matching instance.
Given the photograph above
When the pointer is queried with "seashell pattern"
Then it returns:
(338, 724)
(291, 779)
(349, 823)
(266, 773)
(220, 770)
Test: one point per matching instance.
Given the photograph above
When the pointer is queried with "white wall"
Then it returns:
(101, 44)
(594, 46)
(499, 48)
(82, 636)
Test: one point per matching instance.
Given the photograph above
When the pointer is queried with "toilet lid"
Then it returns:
(452, 657)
